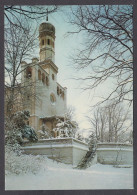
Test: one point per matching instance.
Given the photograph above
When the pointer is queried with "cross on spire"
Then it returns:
(47, 15)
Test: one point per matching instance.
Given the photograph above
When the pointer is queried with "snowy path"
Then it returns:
(59, 176)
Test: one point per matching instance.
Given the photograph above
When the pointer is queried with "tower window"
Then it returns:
(53, 77)
(48, 41)
(63, 95)
(43, 78)
(42, 41)
(39, 74)
(47, 81)
(58, 90)
(28, 72)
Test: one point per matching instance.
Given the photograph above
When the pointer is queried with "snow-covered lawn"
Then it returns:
(58, 176)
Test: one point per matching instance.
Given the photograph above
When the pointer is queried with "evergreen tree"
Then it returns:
(16, 129)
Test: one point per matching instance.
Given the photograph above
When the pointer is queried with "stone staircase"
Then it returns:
(87, 161)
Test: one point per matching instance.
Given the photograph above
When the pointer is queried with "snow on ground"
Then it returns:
(59, 176)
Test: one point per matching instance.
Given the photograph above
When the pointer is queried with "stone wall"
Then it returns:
(115, 154)
(66, 150)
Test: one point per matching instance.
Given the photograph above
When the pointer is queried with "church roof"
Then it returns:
(46, 27)
(49, 62)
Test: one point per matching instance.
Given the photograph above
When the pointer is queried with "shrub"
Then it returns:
(66, 128)
(16, 129)
(18, 163)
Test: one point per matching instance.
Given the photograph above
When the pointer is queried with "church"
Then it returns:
(44, 97)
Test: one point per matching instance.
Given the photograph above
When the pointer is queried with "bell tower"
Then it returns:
(47, 42)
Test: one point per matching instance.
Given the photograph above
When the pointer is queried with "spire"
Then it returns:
(47, 15)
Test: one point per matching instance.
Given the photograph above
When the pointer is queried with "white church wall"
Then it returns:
(47, 107)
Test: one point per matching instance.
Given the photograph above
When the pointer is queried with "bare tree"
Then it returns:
(111, 123)
(108, 47)
(94, 121)
(18, 46)
(98, 123)
(118, 121)
(20, 42)
(13, 13)
(70, 113)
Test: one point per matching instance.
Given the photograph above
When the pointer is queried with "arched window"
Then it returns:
(39, 75)
(63, 95)
(43, 78)
(48, 41)
(52, 98)
(51, 42)
(28, 72)
(58, 90)
(42, 41)
(53, 77)
(47, 81)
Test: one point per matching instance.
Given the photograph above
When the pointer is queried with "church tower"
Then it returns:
(46, 99)
(47, 42)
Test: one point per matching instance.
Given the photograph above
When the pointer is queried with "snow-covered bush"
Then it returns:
(29, 133)
(12, 133)
(18, 163)
(45, 132)
(16, 128)
(15, 131)
(79, 137)
(66, 128)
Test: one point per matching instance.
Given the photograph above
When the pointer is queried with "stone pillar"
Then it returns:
(34, 122)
